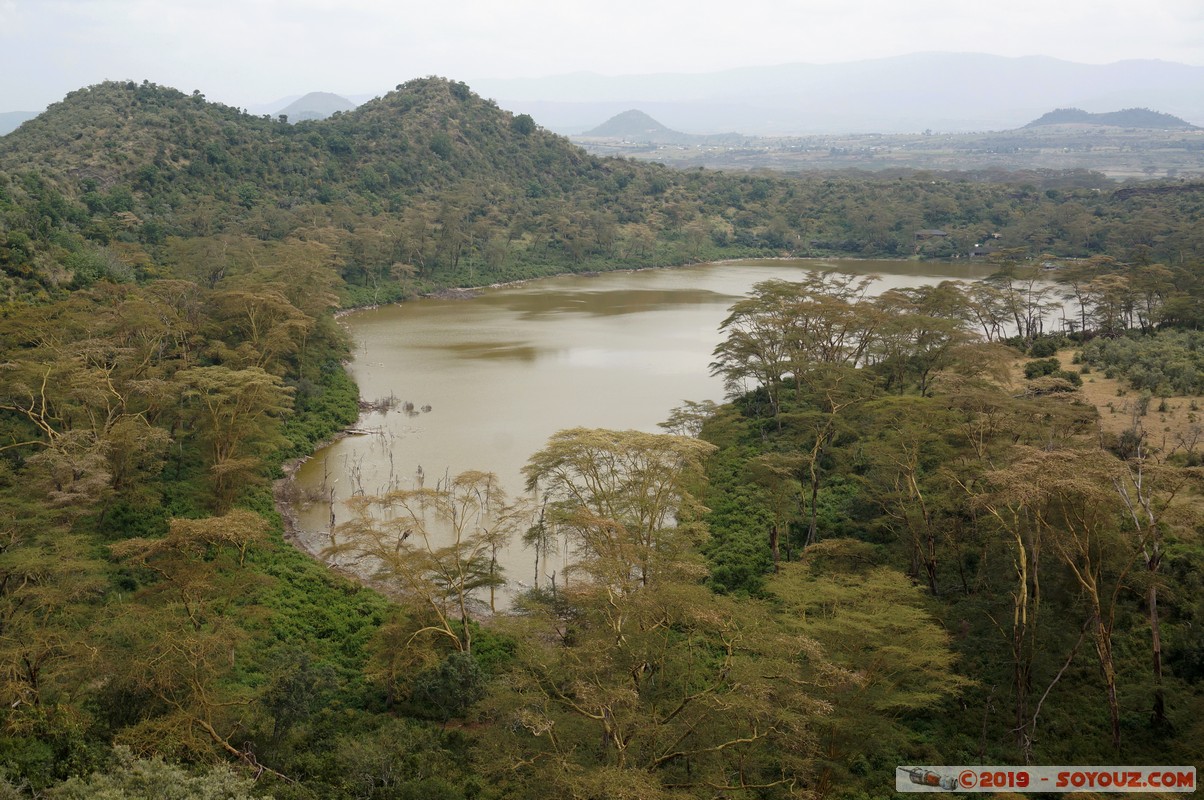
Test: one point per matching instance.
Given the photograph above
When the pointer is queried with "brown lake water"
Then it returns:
(504, 370)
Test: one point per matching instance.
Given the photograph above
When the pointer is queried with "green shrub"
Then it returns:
(132, 778)
(1069, 375)
(1045, 346)
(448, 690)
(1169, 362)
(1041, 367)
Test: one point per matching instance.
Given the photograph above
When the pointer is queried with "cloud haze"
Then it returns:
(245, 52)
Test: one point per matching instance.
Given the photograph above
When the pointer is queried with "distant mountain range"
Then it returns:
(945, 92)
(637, 127)
(315, 105)
(940, 92)
(1131, 144)
(1125, 118)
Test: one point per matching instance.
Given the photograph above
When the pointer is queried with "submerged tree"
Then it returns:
(437, 548)
(620, 495)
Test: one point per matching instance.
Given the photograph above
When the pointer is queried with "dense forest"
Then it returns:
(907, 538)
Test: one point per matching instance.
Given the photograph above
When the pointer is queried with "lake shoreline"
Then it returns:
(613, 349)
(286, 493)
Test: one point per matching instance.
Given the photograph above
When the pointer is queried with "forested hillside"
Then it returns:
(1059, 551)
(888, 548)
(432, 186)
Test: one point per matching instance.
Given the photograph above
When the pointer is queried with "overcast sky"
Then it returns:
(250, 52)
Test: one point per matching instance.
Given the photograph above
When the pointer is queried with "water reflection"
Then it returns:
(488, 350)
(606, 302)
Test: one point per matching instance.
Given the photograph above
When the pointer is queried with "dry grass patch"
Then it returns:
(1171, 424)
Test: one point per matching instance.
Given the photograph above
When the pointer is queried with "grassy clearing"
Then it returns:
(1173, 424)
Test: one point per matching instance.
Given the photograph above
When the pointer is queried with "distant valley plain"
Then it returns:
(1118, 153)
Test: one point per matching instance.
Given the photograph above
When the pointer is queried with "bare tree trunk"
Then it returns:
(1021, 686)
(1159, 711)
(1103, 646)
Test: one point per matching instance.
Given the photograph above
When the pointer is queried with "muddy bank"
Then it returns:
(289, 497)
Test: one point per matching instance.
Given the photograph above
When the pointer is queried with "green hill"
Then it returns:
(425, 135)
(432, 186)
(430, 175)
(1126, 118)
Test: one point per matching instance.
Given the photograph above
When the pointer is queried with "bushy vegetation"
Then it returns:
(1170, 362)
(1044, 554)
(842, 574)
(1044, 367)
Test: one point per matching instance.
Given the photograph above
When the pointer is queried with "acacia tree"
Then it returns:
(237, 414)
(779, 474)
(188, 672)
(1066, 501)
(1006, 498)
(1157, 499)
(832, 320)
(434, 547)
(694, 694)
(84, 391)
(785, 329)
(1023, 294)
(622, 495)
(923, 332)
(883, 655)
(1153, 285)
(1076, 277)
(830, 395)
(180, 645)
(263, 327)
(987, 310)
(47, 583)
(1112, 302)
(189, 559)
(279, 307)
(142, 779)
(754, 347)
(1082, 516)
(904, 474)
(688, 418)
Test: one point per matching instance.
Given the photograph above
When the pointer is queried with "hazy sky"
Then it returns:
(249, 52)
